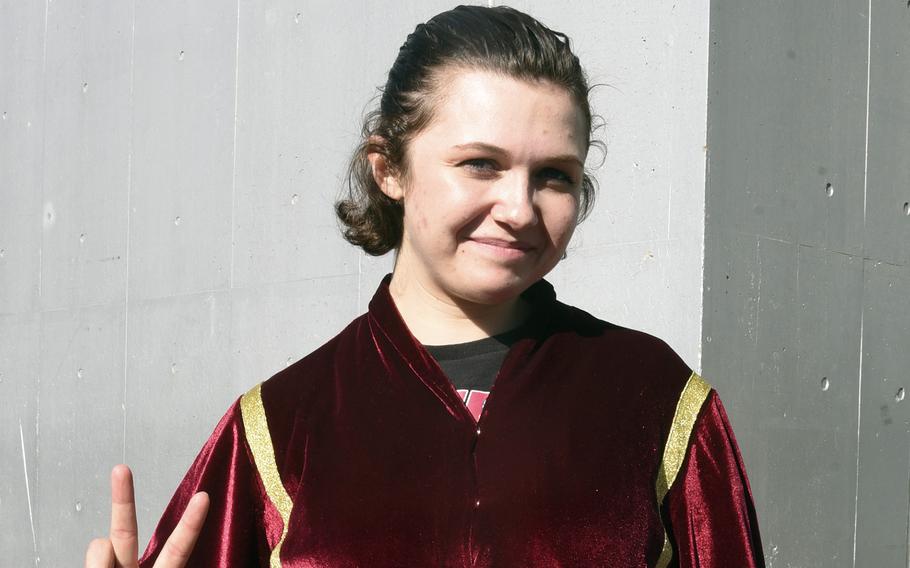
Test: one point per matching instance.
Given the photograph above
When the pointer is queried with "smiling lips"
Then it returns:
(504, 248)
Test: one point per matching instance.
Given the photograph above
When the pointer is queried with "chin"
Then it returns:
(491, 291)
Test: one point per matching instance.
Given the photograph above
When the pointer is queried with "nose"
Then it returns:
(514, 204)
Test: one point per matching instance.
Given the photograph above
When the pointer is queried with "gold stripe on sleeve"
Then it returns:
(690, 402)
(260, 441)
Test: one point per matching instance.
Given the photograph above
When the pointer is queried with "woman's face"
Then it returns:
(492, 187)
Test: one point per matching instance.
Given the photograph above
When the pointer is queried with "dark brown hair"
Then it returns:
(501, 40)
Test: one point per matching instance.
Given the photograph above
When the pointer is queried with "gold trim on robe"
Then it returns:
(689, 404)
(260, 441)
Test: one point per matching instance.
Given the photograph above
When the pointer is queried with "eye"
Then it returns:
(480, 164)
(557, 175)
(482, 167)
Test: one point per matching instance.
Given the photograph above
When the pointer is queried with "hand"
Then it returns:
(121, 548)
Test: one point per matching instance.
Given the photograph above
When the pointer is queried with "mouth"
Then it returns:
(501, 248)
(502, 243)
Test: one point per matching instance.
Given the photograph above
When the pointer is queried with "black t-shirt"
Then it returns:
(473, 366)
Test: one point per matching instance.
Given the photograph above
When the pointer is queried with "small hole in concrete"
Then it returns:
(829, 189)
(826, 384)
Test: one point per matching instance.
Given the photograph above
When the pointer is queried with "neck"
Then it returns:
(437, 320)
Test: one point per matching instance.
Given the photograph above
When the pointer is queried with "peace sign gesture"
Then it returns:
(121, 548)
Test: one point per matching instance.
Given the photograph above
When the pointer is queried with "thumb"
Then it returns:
(100, 554)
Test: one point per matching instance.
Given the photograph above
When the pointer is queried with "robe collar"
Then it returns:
(386, 322)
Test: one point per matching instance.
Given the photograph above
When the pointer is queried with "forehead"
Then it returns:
(520, 115)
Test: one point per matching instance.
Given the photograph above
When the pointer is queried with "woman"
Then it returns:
(598, 446)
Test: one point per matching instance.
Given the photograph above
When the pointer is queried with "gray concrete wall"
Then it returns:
(807, 282)
(167, 173)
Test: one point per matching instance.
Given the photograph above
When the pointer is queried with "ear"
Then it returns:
(385, 178)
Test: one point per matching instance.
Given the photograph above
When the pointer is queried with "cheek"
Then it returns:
(428, 202)
(427, 222)
(421, 223)
(561, 218)
(418, 210)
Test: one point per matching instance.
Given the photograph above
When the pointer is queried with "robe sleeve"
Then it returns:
(712, 516)
(232, 533)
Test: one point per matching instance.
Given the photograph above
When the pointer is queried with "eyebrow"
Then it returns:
(484, 147)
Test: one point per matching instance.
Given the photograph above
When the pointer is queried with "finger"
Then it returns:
(100, 554)
(124, 537)
(179, 545)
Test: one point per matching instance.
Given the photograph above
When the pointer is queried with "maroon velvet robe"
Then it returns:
(597, 446)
